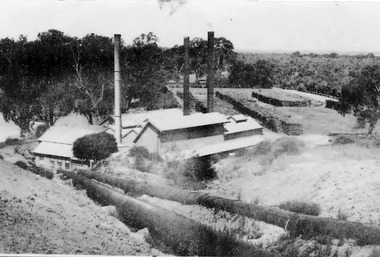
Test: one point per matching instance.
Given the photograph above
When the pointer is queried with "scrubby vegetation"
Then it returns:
(191, 173)
(139, 151)
(22, 165)
(144, 160)
(266, 152)
(301, 207)
(343, 140)
(42, 172)
(41, 129)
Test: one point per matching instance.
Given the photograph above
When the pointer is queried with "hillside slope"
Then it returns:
(50, 217)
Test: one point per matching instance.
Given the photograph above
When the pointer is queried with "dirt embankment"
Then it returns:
(49, 217)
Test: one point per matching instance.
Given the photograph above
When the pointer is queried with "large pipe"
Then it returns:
(183, 236)
(210, 72)
(117, 89)
(186, 74)
(297, 224)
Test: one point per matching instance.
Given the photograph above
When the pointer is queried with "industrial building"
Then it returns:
(55, 148)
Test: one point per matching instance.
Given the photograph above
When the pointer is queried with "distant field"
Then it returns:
(219, 105)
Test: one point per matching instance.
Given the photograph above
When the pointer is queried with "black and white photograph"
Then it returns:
(189, 128)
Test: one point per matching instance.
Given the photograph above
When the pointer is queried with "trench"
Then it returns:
(181, 235)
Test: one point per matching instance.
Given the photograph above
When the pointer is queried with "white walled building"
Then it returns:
(55, 147)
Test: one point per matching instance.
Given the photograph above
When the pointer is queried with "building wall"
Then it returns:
(181, 145)
(193, 133)
(128, 139)
(56, 162)
(243, 134)
(52, 162)
(149, 139)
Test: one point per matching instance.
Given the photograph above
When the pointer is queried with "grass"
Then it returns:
(301, 207)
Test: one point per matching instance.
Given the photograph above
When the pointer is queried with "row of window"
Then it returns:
(60, 163)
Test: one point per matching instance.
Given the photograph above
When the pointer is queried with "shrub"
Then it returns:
(341, 215)
(143, 152)
(301, 207)
(41, 129)
(11, 141)
(22, 165)
(139, 151)
(199, 168)
(343, 140)
(1, 157)
(191, 173)
(45, 173)
(140, 163)
(287, 145)
(263, 148)
(42, 172)
(95, 146)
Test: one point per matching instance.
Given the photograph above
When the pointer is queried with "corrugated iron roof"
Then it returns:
(49, 148)
(248, 125)
(190, 121)
(238, 118)
(67, 134)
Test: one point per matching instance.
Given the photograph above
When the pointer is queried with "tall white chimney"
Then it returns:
(117, 89)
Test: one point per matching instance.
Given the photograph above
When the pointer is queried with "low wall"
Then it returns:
(278, 102)
(273, 123)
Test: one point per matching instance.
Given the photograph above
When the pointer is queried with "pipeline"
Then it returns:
(181, 235)
(296, 224)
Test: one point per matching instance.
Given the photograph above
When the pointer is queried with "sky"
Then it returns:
(252, 26)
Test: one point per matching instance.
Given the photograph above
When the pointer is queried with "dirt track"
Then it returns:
(49, 217)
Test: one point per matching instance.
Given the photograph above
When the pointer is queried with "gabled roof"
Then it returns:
(67, 134)
(184, 122)
(190, 121)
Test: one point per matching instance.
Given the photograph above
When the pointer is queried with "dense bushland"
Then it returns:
(323, 73)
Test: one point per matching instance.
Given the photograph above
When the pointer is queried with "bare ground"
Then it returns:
(44, 216)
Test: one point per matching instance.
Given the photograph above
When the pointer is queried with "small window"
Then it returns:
(59, 163)
(67, 165)
(52, 162)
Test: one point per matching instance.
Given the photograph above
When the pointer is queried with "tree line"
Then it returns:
(56, 74)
